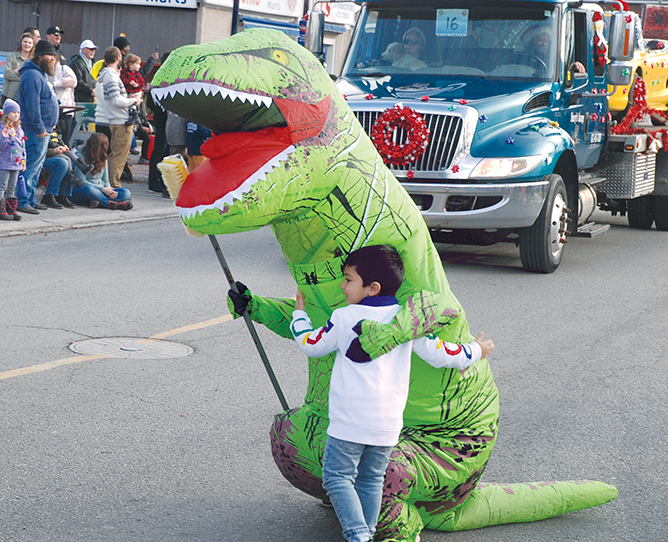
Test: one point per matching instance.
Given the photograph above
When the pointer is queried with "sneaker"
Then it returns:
(40, 207)
(93, 203)
(120, 205)
(65, 201)
(143, 161)
(135, 151)
(27, 209)
(50, 201)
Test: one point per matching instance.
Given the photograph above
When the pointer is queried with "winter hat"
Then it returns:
(43, 47)
(121, 42)
(9, 106)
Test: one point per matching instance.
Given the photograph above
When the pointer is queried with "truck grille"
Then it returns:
(444, 134)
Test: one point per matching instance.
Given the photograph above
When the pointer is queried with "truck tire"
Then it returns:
(641, 212)
(542, 244)
(661, 212)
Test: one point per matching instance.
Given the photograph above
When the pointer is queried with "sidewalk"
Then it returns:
(147, 206)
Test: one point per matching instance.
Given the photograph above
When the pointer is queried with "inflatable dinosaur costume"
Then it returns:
(290, 153)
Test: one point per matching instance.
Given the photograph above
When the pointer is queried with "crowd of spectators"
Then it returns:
(43, 91)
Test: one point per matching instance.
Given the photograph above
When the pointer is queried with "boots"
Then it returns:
(120, 205)
(12, 204)
(83, 166)
(65, 202)
(3, 212)
(50, 201)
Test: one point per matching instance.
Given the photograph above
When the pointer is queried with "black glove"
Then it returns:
(240, 300)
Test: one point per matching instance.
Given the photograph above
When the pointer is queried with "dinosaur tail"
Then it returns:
(496, 504)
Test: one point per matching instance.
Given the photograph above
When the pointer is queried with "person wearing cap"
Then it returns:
(53, 36)
(82, 66)
(123, 45)
(39, 106)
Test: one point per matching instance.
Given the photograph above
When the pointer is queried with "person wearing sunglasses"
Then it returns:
(413, 43)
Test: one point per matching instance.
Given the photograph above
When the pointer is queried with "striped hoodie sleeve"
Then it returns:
(313, 342)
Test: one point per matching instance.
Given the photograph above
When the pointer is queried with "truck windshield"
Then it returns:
(512, 41)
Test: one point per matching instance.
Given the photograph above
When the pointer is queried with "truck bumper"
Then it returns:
(518, 207)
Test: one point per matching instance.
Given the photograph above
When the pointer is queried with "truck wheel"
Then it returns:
(542, 245)
(641, 212)
(661, 212)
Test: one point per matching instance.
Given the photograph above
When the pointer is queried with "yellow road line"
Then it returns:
(191, 327)
(79, 359)
(49, 365)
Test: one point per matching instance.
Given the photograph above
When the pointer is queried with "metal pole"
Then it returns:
(249, 323)
(235, 16)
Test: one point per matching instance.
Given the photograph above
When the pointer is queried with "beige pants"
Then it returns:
(121, 141)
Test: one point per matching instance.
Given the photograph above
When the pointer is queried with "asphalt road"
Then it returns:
(177, 449)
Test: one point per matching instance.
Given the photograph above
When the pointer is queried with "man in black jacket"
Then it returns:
(82, 66)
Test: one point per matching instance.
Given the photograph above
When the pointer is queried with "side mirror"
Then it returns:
(622, 41)
(315, 29)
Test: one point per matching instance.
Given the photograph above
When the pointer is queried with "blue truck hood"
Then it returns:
(500, 105)
(498, 100)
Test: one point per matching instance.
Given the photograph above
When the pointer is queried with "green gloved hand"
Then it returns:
(421, 315)
(241, 301)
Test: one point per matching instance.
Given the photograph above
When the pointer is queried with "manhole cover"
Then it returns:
(131, 348)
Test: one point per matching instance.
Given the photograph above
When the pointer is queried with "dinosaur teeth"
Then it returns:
(194, 88)
(238, 194)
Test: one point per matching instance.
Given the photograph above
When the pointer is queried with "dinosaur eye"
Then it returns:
(281, 57)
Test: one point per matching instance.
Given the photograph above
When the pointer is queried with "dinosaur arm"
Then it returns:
(273, 313)
(423, 313)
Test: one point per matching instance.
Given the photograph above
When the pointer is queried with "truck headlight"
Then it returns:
(505, 167)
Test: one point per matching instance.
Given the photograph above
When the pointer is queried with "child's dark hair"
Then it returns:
(378, 263)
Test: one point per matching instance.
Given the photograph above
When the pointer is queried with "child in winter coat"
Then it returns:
(12, 158)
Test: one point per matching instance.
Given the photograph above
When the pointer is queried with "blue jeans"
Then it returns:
(57, 166)
(82, 195)
(35, 155)
(353, 476)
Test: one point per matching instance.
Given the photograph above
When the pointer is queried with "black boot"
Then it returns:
(83, 166)
(12, 204)
(3, 212)
(65, 202)
(50, 201)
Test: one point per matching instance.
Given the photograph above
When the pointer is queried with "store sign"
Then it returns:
(287, 8)
(339, 12)
(189, 4)
(656, 23)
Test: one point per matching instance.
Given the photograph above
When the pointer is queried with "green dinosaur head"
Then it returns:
(275, 112)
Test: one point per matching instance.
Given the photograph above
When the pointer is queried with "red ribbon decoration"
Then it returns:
(417, 137)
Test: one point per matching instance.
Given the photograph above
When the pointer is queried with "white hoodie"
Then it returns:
(367, 400)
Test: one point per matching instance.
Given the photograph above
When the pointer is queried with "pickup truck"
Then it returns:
(513, 103)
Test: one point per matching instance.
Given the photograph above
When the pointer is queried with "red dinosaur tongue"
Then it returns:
(234, 157)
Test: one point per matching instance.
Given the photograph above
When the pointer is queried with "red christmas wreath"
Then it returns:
(417, 136)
